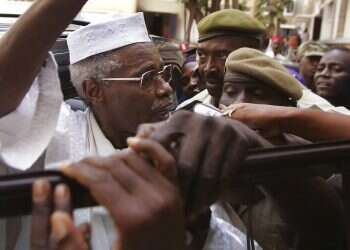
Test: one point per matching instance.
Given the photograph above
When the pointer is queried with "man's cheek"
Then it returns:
(343, 86)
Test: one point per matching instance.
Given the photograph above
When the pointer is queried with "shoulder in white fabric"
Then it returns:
(105, 36)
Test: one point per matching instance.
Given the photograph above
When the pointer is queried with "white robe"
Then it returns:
(44, 124)
(43, 131)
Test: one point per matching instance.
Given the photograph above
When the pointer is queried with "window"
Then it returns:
(290, 8)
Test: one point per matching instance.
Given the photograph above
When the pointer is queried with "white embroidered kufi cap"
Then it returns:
(97, 38)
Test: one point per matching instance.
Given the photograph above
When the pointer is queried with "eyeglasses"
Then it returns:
(146, 80)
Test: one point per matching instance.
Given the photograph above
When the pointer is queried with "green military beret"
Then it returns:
(228, 21)
(256, 65)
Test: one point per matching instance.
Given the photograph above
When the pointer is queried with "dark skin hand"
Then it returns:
(206, 161)
(52, 223)
(38, 27)
(143, 203)
(139, 194)
(312, 125)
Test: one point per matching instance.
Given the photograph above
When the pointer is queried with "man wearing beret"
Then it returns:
(220, 33)
(253, 77)
(309, 55)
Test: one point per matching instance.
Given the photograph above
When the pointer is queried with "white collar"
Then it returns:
(98, 144)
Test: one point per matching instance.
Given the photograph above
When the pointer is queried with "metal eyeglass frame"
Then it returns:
(141, 79)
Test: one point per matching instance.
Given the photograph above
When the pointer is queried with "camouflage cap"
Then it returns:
(311, 48)
(228, 21)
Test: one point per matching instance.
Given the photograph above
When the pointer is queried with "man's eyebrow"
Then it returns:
(213, 50)
(144, 69)
(334, 64)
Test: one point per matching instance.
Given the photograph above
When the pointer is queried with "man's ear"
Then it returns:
(93, 91)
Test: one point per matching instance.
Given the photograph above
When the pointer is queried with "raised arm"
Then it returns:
(310, 124)
(24, 47)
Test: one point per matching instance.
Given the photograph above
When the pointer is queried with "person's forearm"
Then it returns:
(315, 125)
(24, 47)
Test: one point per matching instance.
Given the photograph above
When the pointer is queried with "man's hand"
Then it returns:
(16, 74)
(55, 231)
(208, 150)
(264, 118)
(145, 205)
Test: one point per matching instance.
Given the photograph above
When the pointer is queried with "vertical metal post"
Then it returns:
(346, 191)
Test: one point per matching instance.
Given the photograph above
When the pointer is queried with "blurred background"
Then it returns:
(325, 20)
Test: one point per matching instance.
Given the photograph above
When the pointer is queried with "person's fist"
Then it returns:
(208, 152)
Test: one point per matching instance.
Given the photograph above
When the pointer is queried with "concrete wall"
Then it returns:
(347, 22)
(111, 6)
(328, 20)
(166, 6)
(304, 7)
(160, 6)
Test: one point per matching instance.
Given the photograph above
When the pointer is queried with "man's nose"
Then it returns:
(210, 65)
(163, 88)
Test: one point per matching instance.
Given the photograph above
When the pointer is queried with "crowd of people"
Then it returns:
(165, 177)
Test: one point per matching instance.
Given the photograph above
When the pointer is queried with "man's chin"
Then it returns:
(325, 94)
(214, 92)
(214, 89)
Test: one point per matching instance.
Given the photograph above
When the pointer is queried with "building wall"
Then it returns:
(110, 6)
(347, 22)
(335, 19)
(166, 7)
(304, 7)
(328, 18)
(160, 6)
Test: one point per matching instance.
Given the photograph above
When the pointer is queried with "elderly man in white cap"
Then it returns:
(117, 71)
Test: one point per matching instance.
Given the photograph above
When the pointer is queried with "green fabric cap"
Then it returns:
(264, 69)
(312, 48)
(170, 53)
(230, 20)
